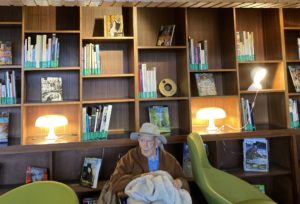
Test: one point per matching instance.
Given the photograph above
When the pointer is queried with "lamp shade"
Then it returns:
(51, 121)
(257, 75)
(210, 114)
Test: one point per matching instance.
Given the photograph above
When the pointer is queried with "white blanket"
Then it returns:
(156, 189)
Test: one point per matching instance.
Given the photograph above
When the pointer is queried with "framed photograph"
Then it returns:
(51, 89)
(165, 35)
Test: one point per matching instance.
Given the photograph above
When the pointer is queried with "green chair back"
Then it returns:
(219, 187)
(40, 192)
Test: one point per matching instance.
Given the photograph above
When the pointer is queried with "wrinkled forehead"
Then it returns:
(146, 137)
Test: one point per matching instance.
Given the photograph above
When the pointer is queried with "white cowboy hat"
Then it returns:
(150, 130)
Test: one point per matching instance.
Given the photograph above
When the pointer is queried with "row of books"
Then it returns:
(147, 81)
(245, 46)
(44, 53)
(91, 59)
(5, 52)
(247, 115)
(294, 114)
(8, 93)
(198, 54)
(96, 121)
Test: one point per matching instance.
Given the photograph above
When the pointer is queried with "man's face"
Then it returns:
(148, 145)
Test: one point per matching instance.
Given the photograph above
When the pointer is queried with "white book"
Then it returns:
(44, 48)
(38, 51)
(295, 111)
(154, 80)
(30, 47)
(84, 120)
(192, 51)
(298, 42)
(108, 116)
(96, 119)
(25, 51)
(144, 68)
(13, 79)
(49, 49)
(103, 119)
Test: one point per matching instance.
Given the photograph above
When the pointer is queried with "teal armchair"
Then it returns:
(219, 187)
(40, 192)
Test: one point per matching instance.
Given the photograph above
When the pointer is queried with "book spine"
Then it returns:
(298, 42)
(109, 110)
(295, 114)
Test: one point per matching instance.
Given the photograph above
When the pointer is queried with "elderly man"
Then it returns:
(148, 157)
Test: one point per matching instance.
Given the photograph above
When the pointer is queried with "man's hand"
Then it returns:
(177, 183)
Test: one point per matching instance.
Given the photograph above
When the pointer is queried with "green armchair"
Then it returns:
(40, 192)
(219, 187)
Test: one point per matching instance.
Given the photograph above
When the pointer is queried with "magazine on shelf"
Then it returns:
(4, 125)
(113, 26)
(255, 151)
(205, 84)
(51, 88)
(90, 172)
(34, 173)
(295, 75)
(165, 35)
(159, 115)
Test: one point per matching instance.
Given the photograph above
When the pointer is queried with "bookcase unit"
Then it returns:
(275, 33)
(66, 26)
(170, 62)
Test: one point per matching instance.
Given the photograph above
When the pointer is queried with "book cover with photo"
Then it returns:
(34, 173)
(205, 84)
(159, 115)
(51, 89)
(113, 26)
(5, 52)
(165, 35)
(90, 172)
(4, 125)
(295, 75)
(255, 154)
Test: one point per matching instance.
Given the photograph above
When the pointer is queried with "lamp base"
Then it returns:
(211, 126)
(51, 134)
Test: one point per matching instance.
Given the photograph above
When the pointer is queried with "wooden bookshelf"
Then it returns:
(275, 32)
